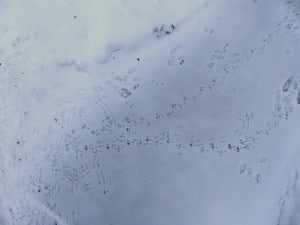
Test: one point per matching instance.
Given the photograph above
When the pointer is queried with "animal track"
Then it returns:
(174, 57)
(287, 85)
(262, 159)
(258, 177)
(242, 168)
(163, 31)
(125, 93)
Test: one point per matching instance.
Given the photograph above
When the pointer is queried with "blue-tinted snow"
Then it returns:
(154, 112)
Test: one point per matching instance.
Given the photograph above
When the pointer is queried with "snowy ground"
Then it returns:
(153, 112)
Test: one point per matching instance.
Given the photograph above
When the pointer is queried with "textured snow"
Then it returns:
(154, 112)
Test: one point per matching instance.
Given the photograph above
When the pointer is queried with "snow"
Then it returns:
(149, 112)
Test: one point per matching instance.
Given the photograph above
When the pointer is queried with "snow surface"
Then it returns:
(156, 112)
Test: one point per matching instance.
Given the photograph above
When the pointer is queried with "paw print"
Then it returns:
(163, 30)
(174, 57)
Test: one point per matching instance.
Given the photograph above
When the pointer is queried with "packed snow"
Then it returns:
(157, 112)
